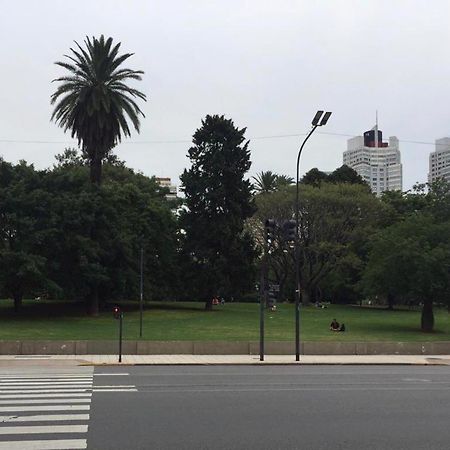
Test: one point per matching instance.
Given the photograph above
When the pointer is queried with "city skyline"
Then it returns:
(268, 67)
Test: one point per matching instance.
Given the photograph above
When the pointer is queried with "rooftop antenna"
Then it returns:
(376, 128)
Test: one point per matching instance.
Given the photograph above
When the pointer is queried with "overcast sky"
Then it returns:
(268, 65)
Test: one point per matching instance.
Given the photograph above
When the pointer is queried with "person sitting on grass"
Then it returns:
(334, 325)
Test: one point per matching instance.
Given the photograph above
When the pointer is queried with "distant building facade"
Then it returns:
(377, 162)
(167, 183)
(439, 161)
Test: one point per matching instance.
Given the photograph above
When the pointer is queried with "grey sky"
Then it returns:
(268, 65)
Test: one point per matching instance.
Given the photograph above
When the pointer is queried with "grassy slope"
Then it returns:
(232, 322)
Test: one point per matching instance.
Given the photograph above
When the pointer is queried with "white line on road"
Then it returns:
(44, 381)
(43, 391)
(45, 408)
(42, 401)
(44, 418)
(55, 444)
(37, 429)
(268, 389)
(114, 390)
(115, 386)
(45, 375)
(111, 374)
(44, 385)
(33, 395)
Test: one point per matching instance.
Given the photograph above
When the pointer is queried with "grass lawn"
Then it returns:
(231, 322)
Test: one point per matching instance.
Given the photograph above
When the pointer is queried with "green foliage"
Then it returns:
(314, 177)
(25, 231)
(94, 102)
(411, 260)
(46, 241)
(218, 200)
(343, 174)
(333, 221)
(346, 174)
(269, 181)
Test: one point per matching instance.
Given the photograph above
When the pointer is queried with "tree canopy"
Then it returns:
(94, 101)
(218, 251)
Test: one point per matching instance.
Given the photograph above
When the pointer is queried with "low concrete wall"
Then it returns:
(220, 348)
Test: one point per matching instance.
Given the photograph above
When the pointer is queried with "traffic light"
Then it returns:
(271, 298)
(116, 312)
(289, 230)
(271, 226)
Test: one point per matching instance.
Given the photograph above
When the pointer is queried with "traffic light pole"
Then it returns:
(120, 336)
(141, 297)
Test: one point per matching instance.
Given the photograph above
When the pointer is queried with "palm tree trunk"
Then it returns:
(96, 170)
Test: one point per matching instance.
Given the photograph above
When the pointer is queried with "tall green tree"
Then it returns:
(411, 259)
(333, 219)
(25, 232)
(314, 177)
(94, 101)
(218, 201)
(346, 174)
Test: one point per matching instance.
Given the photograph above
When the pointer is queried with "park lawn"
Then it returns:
(231, 322)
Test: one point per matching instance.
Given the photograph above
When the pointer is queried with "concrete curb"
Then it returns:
(204, 360)
(105, 347)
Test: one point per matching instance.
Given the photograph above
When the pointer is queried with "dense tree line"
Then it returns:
(353, 245)
(46, 222)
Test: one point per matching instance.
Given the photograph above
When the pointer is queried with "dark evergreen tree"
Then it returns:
(346, 174)
(314, 177)
(218, 201)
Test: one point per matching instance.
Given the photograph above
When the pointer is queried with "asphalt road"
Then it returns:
(224, 407)
(275, 407)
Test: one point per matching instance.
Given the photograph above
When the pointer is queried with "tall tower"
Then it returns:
(440, 161)
(377, 162)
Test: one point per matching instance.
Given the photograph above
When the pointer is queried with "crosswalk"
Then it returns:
(48, 409)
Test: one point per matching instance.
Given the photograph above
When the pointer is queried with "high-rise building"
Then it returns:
(440, 161)
(376, 161)
(167, 183)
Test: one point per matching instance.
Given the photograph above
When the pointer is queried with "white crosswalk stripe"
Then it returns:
(38, 409)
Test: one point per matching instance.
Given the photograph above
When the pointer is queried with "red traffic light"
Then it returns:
(116, 312)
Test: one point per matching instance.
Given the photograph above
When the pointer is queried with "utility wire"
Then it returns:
(180, 141)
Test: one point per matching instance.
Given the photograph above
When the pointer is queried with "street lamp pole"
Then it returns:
(316, 122)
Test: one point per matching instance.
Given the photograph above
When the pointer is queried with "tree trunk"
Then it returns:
(427, 321)
(306, 297)
(208, 305)
(96, 170)
(17, 302)
(93, 304)
(390, 301)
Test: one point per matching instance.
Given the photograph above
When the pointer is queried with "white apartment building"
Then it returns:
(377, 162)
(439, 161)
(167, 183)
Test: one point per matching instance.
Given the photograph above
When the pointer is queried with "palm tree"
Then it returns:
(265, 182)
(283, 181)
(94, 101)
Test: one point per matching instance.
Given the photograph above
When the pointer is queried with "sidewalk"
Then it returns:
(233, 359)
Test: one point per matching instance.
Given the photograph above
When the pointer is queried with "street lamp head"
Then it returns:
(315, 121)
(325, 118)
